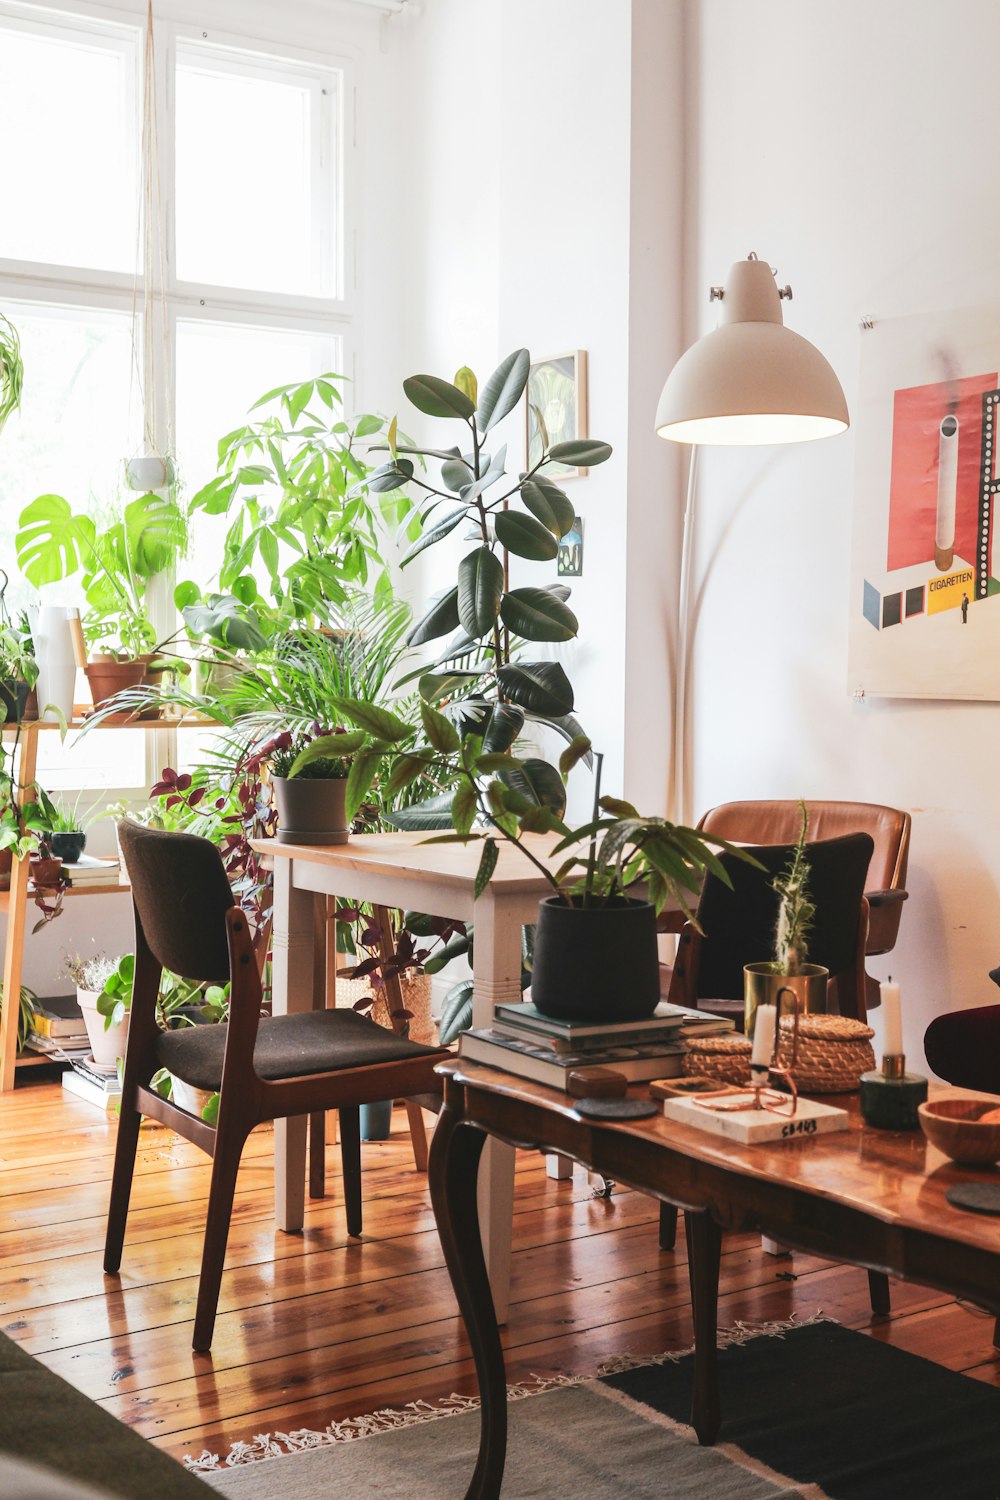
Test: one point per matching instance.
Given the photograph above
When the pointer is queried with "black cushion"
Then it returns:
(322, 1041)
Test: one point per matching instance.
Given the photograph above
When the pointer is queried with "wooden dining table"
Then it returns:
(872, 1198)
(403, 870)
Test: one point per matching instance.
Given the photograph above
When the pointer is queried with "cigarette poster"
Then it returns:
(925, 595)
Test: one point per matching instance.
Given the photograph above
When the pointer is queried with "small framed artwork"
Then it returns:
(569, 563)
(556, 408)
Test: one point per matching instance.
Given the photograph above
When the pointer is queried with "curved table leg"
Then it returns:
(453, 1167)
(704, 1239)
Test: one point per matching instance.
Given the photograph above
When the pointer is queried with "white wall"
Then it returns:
(846, 144)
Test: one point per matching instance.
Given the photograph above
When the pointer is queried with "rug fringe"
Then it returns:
(278, 1444)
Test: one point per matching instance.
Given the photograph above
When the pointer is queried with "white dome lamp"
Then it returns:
(751, 380)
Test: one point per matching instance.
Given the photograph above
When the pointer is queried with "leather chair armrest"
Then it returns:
(886, 898)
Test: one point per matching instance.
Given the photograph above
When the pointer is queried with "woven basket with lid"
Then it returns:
(725, 1057)
(831, 1054)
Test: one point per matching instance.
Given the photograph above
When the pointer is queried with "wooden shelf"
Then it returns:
(82, 721)
(37, 1060)
(79, 890)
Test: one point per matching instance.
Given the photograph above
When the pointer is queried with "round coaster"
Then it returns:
(616, 1109)
(977, 1197)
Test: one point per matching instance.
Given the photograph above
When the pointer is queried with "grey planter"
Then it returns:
(310, 810)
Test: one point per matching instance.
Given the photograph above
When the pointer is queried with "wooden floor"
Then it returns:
(316, 1327)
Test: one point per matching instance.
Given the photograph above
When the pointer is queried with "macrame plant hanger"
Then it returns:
(151, 466)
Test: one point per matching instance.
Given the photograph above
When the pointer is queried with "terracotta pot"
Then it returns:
(311, 810)
(45, 871)
(107, 676)
(105, 1045)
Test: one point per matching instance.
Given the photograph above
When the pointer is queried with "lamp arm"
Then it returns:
(678, 790)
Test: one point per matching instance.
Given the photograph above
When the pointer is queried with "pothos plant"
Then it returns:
(525, 516)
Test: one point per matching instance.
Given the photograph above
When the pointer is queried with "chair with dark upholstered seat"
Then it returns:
(263, 1068)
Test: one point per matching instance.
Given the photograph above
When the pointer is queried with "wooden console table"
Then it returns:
(871, 1198)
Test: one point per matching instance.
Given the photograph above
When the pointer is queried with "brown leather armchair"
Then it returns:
(779, 823)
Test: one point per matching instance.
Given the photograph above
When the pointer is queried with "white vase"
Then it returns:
(106, 1045)
(53, 640)
(149, 471)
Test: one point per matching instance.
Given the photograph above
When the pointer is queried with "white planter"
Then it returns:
(106, 1046)
(150, 472)
(186, 1096)
(50, 630)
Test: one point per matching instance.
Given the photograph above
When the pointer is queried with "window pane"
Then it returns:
(69, 116)
(108, 758)
(254, 198)
(222, 369)
(79, 417)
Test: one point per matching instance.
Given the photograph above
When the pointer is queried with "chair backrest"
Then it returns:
(779, 823)
(181, 895)
(739, 922)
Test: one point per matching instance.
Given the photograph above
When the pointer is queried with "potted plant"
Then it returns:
(106, 1030)
(769, 983)
(68, 837)
(18, 670)
(117, 560)
(25, 1016)
(11, 369)
(309, 775)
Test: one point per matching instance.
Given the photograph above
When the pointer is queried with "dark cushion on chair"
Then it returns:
(321, 1041)
(963, 1048)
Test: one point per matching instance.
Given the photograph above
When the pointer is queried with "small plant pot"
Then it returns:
(761, 986)
(106, 1045)
(6, 865)
(186, 1096)
(150, 471)
(376, 1120)
(14, 701)
(311, 810)
(68, 846)
(596, 963)
(46, 871)
(107, 677)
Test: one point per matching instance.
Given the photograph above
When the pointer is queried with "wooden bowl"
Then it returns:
(954, 1127)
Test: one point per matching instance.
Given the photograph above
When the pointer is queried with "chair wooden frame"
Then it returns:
(245, 1101)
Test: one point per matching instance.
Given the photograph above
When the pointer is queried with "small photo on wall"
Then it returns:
(569, 563)
(556, 408)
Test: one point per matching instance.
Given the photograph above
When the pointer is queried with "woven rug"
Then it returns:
(816, 1411)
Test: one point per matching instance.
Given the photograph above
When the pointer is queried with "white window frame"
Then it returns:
(332, 73)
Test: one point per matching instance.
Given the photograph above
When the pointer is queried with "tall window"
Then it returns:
(248, 185)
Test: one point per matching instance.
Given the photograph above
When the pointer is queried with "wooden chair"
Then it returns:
(264, 1068)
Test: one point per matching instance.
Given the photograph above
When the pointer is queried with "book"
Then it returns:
(751, 1126)
(541, 1064)
(599, 1043)
(60, 1049)
(91, 871)
(665, 1018)
(58, 1016)
(92, 1089)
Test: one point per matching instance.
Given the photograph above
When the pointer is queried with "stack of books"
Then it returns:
(89, 1080)
(523, 1041)
(57, 1028)
(91, 871)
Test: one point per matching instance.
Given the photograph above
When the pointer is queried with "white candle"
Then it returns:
(763, 1036)
(892, 1021)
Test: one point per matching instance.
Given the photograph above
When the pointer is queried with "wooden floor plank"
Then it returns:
(317, 1327)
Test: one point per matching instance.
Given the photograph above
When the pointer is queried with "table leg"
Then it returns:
(497, 976)
(704, 1239)
(292, 979)
(454, 1156)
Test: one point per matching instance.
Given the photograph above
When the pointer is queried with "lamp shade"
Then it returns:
(752, 380)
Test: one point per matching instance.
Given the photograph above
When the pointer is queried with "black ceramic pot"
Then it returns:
(68, 846)
(596, 963)
(13, 699)
(311, 809)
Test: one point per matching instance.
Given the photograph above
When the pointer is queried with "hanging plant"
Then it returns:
(11, 370)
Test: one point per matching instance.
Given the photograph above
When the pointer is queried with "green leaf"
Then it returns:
(327, 747)
(505, 724)
(441, 732)
(465, 380)
(434, 813)
(538, 783)
(435, 686)
(524, 536)
(496, 760)
(438, 398)
(377, 721)
(456, 474)
(456, 947)
(456, 1012)
(582, 453)
(617, 808)
(388, 477)
(367, 425)
(480, 584)
(51, 542)
(210, 1111)
(576, 750)
(549, 504)
(504, 389)
(359, 779)
(538, 615)
(406, 768)
(434, 534)
(540, 686)
(487, 864)
(439, 620)
(463, 808)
